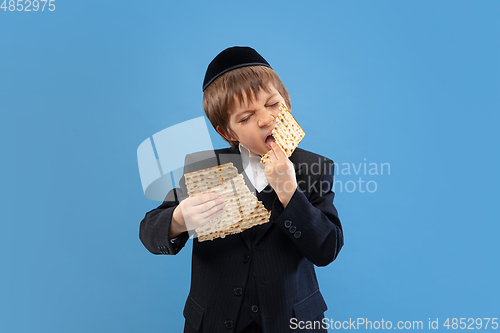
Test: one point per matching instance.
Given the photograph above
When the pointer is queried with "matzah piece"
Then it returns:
(200, 181)
(242, 210)
(287, 133)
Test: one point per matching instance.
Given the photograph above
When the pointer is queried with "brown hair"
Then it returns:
(219, 97)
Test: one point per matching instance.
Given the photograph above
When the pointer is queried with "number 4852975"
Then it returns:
(28, 6)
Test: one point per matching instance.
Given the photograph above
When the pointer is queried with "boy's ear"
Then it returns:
(221, 132)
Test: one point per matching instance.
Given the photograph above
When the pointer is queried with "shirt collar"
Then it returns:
(253, 168)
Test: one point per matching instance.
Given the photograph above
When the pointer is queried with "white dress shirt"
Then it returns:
(253, 168)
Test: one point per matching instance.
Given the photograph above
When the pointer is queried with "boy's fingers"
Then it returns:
(213, 212)
(206, 206)
(272, 157)
(203, 198)
(278, 151)
(272, 153)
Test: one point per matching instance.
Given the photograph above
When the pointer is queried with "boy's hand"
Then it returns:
(194, 212)
(280, 174)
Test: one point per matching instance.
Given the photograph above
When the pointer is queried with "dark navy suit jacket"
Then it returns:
(280, 255)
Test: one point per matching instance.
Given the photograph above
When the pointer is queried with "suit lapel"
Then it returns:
(267, 197)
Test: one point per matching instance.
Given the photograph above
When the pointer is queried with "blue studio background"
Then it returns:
(410, 88)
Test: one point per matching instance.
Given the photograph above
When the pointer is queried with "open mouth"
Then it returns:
(269, 141)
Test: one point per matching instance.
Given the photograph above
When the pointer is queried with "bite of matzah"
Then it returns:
(287, 133)
(242, 210)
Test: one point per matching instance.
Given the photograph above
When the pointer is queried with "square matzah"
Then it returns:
(287, 133)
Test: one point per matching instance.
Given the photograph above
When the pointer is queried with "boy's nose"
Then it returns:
(266, 120)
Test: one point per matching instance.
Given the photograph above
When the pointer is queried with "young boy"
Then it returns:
(263, 279)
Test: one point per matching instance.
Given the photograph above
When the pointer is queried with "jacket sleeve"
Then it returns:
(154, 228)
(310, 219)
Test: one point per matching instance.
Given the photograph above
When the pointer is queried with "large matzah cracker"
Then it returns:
(287, 133)
(242, 210)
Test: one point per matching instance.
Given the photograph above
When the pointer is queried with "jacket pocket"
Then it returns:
(193, 312)
(310, 307)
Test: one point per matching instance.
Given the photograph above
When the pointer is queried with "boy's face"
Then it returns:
(252, 121)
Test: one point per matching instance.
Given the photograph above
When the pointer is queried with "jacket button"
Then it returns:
(238, 291)
(255, 308)
(292, 229)
(228, 324)
(288, 224)
(163, 249)
(246, 258)
(297, 234)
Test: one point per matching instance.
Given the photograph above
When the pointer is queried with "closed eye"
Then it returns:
(245, 119)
